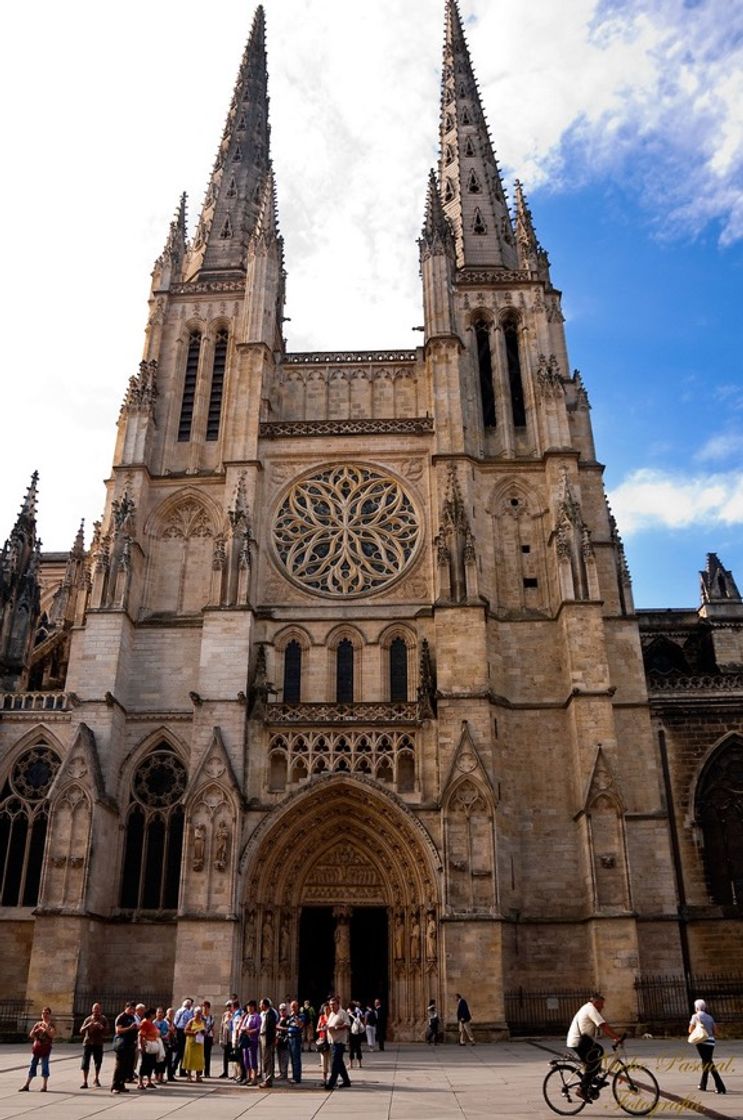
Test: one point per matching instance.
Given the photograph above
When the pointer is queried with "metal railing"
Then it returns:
(112, 1000)
(669, 999)
(543, 1011)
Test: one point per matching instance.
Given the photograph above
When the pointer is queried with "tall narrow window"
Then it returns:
(153, 844)
(515, 384)
(344, 672)
(215, 395)
(485, 365)
(189, 387)
(719, 804)
(23, 824)
(292, 673)
(398, 670)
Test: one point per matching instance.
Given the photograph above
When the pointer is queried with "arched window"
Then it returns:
(292, 673)
(23, 823)
(398, 670)
(154, 833)
(189, 387)
(485, 366)
(344, 672)
(513, 361)
(720, 814)
(215, 396)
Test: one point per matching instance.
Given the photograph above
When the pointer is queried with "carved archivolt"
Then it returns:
(384, 857)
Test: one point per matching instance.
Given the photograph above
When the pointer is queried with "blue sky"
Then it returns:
(623, 119)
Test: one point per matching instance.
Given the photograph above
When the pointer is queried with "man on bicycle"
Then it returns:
(586, 1024)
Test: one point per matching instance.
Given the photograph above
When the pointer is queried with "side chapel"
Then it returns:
(349, 690)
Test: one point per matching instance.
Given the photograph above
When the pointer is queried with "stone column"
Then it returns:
(342, 969)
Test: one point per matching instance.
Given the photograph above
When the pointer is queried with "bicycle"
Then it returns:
(635, 1088)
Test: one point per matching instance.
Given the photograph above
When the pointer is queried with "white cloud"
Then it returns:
(722, 446)
(653, 499)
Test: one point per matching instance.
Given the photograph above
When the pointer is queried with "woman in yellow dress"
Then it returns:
(193, 1055)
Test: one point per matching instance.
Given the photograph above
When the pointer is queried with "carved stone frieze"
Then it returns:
(288, 429)
(361, 712)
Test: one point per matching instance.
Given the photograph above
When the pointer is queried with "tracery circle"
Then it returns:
(160, 780)
(346, 530)
(34, 772)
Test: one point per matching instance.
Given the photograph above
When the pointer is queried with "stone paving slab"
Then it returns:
(406, 1082)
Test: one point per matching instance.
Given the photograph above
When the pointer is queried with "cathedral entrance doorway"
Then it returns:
(342, 894)
(365, 977)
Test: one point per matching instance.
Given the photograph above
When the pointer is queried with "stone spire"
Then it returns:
(436, 235)
(717, 583)
(19, 590)
(470, 182)
(530, 253)
(233, 199)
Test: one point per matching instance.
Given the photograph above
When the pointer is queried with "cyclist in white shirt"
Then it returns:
(587, 1023)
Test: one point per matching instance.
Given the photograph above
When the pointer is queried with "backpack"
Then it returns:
(357, 1026)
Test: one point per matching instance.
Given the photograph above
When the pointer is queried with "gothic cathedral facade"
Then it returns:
(349, 691)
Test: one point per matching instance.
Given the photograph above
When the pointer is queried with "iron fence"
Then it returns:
(545, 1011)
(16, 1017)
(669, 999)
(112, 1000)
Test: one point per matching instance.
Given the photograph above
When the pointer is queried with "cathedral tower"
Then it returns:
(352, 694)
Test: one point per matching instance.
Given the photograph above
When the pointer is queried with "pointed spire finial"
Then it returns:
(78, 548)
(531, 253)
(437, 234)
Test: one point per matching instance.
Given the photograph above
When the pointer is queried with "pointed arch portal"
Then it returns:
(342, 894)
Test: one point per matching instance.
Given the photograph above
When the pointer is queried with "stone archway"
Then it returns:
(348, 846)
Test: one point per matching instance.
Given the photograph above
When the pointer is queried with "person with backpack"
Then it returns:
(357, 1032)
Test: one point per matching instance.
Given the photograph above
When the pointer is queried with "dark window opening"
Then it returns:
(153, 845)
(526, 549)
(515, 384)
(189, 388)
(344, 672)
(292, 673)
(473, 184)
(479, 225)
(485, 366)
(215, 396)
(720, 814)
(529, 581)
(398, 670)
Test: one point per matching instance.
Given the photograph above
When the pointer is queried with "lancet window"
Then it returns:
(485, 367)
(398, 670)
(219, 365)
(344, 672)
(720, 815)
(23, 825)
(153, 841)
(189, 387)
(515, 382)
(293, 673)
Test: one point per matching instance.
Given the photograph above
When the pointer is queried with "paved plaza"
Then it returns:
(406, 1082)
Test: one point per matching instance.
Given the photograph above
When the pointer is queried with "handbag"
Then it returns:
(152, 1046)
(41, 1049)
(322, 1045)
(699, 1034)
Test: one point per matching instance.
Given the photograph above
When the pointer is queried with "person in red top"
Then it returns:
(149, 1048)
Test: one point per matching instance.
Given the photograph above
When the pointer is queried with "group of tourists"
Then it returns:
(259, 1042)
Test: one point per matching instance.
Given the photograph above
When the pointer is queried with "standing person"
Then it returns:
(282, 1042)
(183, 1016)
(310, 1018)
(381, 1013)
(464, 1019)
(433, 1024)
(208, 1036)
(42, 1037)
(371, 1027)
(225, 1038)
(251, 1027)
(93, 1032)
(294, 1036)
(322, 1044)
(237, 1055)
(358, 1030)
(337, 1028)
(171, 1045)
(125, 1046)
(193, 1052)
(587, 1023)
(706, 1046)
(268, 1042)
(150, 1045)
(161, 1062)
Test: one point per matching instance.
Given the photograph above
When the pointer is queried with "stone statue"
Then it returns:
(285, 942)
(268, 938)
(342, 941)
(199, 847)
(249, 938)
(431, 934)
(399, 937)
(415, 938)
(222, 853)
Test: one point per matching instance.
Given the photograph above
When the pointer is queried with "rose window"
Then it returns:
(346, 530)
(160, 780)
(34, 773)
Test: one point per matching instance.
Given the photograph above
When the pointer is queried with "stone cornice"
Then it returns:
(291, 429)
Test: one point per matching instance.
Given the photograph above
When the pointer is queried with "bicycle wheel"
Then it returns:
(635, 1089)
(559, 1089)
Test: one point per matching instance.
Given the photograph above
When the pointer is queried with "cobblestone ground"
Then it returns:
(406, 1082)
